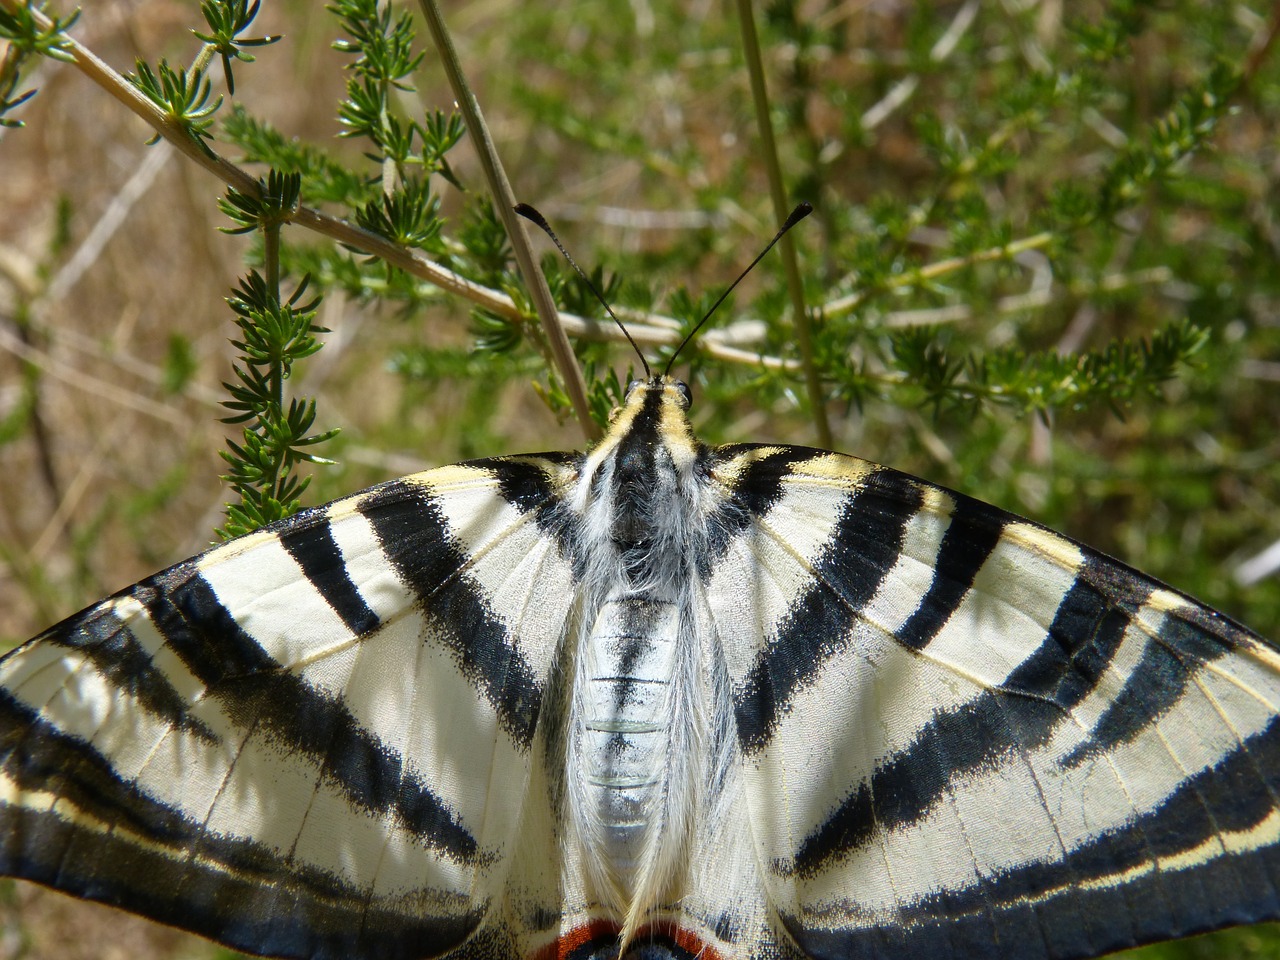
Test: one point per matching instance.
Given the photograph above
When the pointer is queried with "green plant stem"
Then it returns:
(939, 268)
(203, 58)
(781, 208)
(500, 188)
(271, 257)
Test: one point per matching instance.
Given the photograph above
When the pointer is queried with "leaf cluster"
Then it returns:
(182, 94)
(1184, 129)
(27, 39)
(272, 206)
(383, 48)
(409, 216)
(227, 19)
(277, 435)
(1043, 381)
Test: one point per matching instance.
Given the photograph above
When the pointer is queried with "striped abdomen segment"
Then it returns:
(626, 730)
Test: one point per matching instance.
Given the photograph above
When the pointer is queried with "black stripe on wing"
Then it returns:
(1106, 894)
(413, 534)
(314, 549)
(1025, 710)
(231, 888)
(277, 912)
(259, 695)
(525, 483)
(908, 786)
(100, 636)
(1161, 676)
(865, 544)
(972, 534)
(38, 758)
(1086, 631)
(755, 489)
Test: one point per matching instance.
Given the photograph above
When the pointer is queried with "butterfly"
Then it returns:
(657, 698)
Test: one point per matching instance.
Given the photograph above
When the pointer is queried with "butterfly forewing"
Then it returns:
(961, 730)
(312, 741)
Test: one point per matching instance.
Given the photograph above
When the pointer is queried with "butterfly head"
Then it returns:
(655, 411)
(648, 456)
(677, 388)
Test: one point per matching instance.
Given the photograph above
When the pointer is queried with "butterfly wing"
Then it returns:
(313, 741)
(963, 734)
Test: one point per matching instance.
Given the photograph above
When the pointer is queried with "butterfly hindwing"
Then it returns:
(262, 744)
(960, 730)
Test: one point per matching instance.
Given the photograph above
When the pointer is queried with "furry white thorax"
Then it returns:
(650, 713)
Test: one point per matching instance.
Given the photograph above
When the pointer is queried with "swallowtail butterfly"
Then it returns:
(747, 701)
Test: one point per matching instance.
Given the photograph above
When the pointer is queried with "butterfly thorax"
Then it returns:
(635, 762)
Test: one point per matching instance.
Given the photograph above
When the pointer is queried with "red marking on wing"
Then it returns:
(596, 934)
(597, 931)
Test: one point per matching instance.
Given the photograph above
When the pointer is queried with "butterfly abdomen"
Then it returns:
(631, 653)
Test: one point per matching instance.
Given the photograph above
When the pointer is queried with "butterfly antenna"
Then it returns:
(802, 210)
(533, 216)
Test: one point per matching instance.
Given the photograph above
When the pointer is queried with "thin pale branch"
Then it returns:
(781, 207)
(82, 381)
(1031, 299)
(104, 228)
(505, 200)
(939, 268)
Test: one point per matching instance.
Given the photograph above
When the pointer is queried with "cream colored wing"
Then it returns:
(313, 741)
(963, 735)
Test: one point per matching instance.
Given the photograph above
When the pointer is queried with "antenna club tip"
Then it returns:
(802, 210)
(529, 213)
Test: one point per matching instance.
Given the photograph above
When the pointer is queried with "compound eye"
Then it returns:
(686, 395)
(631, 387)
